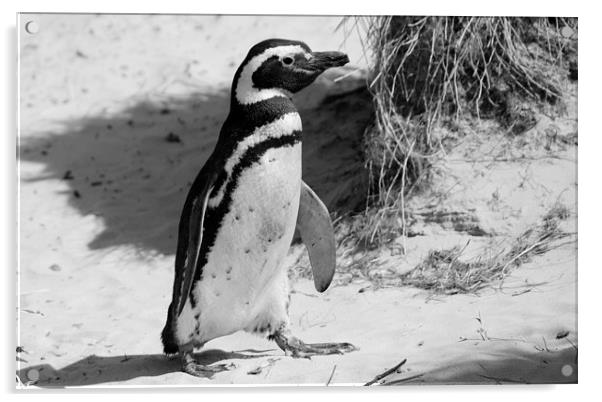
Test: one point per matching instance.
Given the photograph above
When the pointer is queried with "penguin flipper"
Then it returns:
(190, 238)
(317, 233)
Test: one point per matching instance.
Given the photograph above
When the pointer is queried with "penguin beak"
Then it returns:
(321, 61)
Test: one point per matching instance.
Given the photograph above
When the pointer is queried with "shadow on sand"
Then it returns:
(94, 370)
(133, 169)
(508, 366)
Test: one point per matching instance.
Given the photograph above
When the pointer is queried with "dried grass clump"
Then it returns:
(442, 271)
(428, 70)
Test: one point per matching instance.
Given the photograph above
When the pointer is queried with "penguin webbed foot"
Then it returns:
(296, 348)
(194, 368)
(307, 350)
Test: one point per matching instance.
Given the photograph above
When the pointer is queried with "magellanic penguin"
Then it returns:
(240, 214)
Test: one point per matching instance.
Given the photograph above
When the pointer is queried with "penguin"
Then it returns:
(240, 215)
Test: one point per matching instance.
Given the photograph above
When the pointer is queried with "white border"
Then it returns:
(589, 198)
(309, 7)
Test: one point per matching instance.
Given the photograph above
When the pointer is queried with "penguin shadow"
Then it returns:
(133, 168)
(94, 370)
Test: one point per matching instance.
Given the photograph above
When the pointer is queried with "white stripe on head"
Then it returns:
(245, 92)
(285, 125)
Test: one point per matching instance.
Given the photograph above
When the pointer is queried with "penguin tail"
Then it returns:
(168, 338)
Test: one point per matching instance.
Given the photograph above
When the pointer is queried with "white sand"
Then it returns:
(98, 97)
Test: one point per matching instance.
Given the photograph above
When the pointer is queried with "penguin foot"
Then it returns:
(292, 346)
(307, 350)
(192, 367)
(201, 370)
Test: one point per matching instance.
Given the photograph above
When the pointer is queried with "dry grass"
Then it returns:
(433, 70)
(443, 271)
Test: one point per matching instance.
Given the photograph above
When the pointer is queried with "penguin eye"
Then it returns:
(287, 60)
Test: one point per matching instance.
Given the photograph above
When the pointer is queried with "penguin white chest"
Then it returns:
(265, 203)
(244, 267)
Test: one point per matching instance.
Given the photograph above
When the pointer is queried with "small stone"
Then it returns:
(55, 267)
(562, 334)
(173, 138)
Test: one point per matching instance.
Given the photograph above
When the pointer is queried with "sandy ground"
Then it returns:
(101, 190)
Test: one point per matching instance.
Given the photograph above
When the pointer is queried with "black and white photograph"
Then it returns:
(326, 200)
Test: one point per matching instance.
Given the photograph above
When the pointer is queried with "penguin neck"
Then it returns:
(262, 112)
(251, 95)
(256, 96)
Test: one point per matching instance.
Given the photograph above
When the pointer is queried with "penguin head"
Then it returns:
(279, 67)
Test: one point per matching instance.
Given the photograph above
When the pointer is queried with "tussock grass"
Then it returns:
(443, 271)
(446, 271)
(432, 71)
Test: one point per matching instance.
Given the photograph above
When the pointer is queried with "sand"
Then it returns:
(117, 116)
